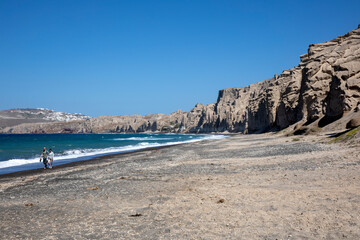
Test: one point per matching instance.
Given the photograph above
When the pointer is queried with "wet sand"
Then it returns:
(241, 187)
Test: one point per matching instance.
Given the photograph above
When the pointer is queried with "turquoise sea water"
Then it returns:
(22, 151)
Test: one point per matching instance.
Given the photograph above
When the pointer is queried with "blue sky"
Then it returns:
(141, 57)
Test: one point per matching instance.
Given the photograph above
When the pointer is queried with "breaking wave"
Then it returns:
(140, 139)
(85, 154)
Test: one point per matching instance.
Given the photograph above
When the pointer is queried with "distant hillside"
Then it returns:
(12, 117)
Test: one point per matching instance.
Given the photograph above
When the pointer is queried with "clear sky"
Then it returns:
(139, 57)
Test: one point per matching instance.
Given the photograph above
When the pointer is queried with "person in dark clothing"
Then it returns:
(44, 157)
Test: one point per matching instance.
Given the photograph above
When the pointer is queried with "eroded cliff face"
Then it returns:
(321, 90)
(331, 78)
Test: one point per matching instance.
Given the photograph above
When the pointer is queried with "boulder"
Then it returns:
(353, 123)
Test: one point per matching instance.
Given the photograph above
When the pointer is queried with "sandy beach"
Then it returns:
(242, 187)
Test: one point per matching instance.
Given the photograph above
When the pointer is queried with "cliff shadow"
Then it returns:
(334, 102)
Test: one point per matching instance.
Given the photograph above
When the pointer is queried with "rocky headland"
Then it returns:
(322, 92)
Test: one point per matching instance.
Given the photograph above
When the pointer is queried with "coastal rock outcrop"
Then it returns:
(322, 91)
(323, 88)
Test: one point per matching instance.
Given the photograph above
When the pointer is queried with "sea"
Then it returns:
(19, 152)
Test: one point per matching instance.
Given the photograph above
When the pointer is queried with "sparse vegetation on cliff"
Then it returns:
(346, 136)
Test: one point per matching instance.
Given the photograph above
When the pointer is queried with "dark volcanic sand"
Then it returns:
(242, 187)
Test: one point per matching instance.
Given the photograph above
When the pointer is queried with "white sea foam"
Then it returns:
(140, 139)
(81, 153)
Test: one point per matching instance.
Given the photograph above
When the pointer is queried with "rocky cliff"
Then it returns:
(322, 91)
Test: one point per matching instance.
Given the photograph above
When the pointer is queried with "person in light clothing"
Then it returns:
(51, 158)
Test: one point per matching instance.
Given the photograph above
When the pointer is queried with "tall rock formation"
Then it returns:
(324, 88)
(320, 90)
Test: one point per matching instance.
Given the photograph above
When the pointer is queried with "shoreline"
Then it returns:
(242, 187)
(91, 161)
(81, 159)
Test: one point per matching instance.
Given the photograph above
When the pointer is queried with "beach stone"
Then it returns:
(353, 123)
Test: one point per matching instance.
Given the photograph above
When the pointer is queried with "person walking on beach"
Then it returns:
(44, 157)
(51, 158)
